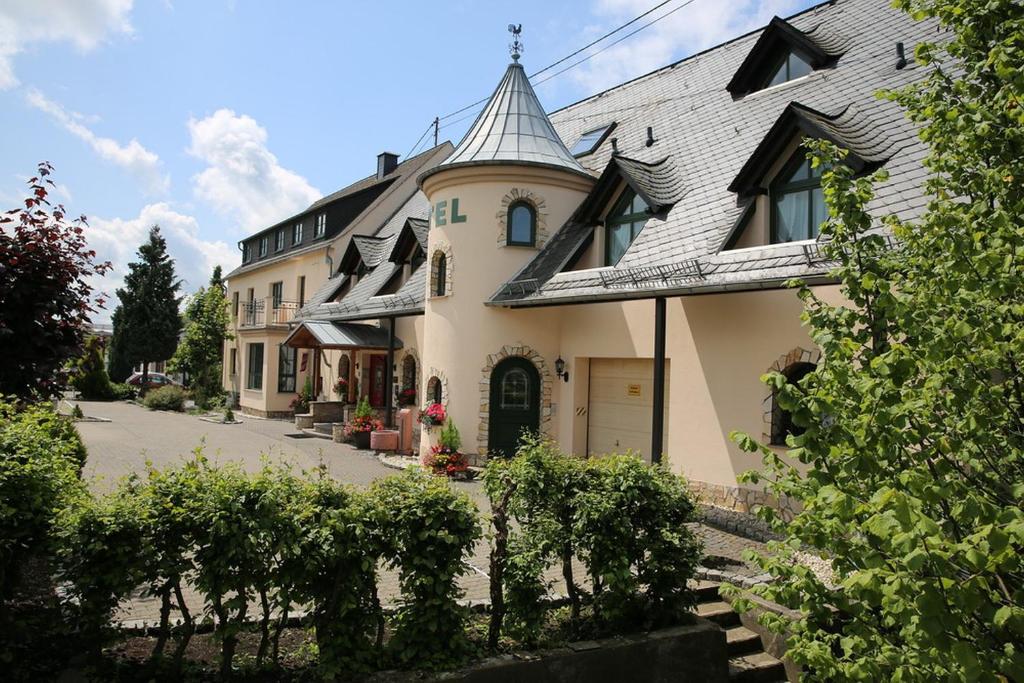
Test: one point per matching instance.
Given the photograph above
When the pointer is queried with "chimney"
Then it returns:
(386, 163)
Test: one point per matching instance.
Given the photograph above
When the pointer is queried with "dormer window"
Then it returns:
(798, 203)
(263, 246)
(623, 224)
(791, 67)
(591, 140)
(522, 225)
(320, 227)
(296, 233)
(246, 253)
(279, 240)
(784, 53)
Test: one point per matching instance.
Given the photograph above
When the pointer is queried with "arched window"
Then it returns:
(439, 287)
(623, 224)
(434, 393)
(521, 229)
(782, 420)
(409, 372)
(515, 390)
(798, 204)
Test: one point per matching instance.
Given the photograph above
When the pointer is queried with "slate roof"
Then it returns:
(709, 135)
(338, 335)
(362, 302)
(512, 128)
(390, 184)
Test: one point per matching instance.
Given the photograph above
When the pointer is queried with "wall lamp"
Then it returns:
(560, 369)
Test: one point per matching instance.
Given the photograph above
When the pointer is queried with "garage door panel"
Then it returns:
(621, 405)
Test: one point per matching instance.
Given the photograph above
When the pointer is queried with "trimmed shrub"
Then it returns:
(170, 397)
(123, 392)
(89, 377)
(428, 531)
(41, 456)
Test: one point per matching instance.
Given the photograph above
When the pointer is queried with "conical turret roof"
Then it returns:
(513, 128)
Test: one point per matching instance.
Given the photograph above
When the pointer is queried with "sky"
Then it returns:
(216, 118)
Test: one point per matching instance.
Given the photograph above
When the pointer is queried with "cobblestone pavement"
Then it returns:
(135, 435)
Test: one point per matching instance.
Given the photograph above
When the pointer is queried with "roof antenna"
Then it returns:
(516, 48)
(650, 136)
(901, 58)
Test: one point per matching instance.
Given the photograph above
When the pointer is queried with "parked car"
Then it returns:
(155, 380)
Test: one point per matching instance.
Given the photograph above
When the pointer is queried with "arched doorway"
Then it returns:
(514, 406)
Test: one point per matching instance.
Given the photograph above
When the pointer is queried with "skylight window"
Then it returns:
(791, 68)
(591, 140)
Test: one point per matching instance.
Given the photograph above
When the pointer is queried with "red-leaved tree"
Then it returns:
(45, 293)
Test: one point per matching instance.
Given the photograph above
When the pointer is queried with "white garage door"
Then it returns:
(621, 405)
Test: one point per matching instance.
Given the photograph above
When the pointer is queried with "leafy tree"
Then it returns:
(913, 419)
(146, 322)
(201, 350)
(46, 295)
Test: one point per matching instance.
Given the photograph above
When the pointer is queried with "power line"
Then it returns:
(582, 49)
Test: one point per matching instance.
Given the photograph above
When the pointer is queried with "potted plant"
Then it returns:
(362, 424)
(341, 389)
(433, 415)
(300, 404)
(407, 397)
(445, 458)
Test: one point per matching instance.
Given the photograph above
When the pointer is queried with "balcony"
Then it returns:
(262, 313)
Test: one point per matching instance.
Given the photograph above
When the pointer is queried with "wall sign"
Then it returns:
(633, 390)
(441, 215)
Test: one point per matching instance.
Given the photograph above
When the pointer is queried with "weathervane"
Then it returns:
(517, 46)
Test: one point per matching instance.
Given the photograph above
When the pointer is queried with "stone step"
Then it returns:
(742, 641)
(304, 421)
(318, 434)
(760, 667)
(706, 591)
(323, 427)
(720, 613)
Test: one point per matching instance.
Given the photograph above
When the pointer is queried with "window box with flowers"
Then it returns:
(433, 415)
(407, 397)
(445, 458)
(362, 425)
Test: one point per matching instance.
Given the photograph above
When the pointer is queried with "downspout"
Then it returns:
(389, 373)
(658, 419)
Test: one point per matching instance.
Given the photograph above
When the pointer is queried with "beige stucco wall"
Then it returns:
(459, 331)
(314, 267)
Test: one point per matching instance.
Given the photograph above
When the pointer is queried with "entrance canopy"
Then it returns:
(325, 334)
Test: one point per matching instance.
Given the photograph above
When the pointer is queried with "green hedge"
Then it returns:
(283, 539)
(41, 457)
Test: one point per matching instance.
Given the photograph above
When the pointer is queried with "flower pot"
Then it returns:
(361, 440)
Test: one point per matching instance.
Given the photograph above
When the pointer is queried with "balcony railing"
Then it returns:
(266, 312)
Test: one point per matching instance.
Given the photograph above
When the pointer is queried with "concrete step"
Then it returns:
(760, 667)
(317, 433)
(720, 613)
(742, 641)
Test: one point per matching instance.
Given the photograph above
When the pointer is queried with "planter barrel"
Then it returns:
(361, 440)
(384, 440)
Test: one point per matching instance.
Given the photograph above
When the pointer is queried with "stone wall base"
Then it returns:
(740, 499)
(269, 414)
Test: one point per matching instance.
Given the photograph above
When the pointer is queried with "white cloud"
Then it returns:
(133, 157)
(243, 179)
(117, 240)
(84, 23)
(700, 25)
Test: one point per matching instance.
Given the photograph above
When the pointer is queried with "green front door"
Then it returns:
(515, 405)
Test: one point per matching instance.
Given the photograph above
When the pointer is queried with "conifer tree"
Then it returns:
(147, 322)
